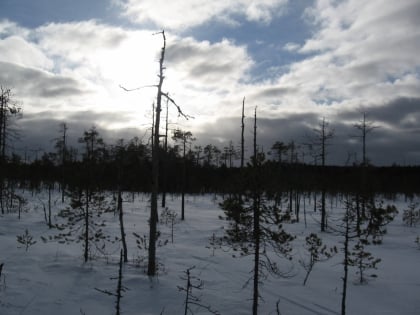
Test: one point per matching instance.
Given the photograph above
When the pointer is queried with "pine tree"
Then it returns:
(83, 221)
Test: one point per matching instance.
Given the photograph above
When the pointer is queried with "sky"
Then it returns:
(297, 61)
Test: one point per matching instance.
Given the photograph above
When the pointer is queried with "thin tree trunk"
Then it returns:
(49, 205)
(165, 166)
(256, 227)
(121, 217)
(151, 268)
(86, 255)
(323, 211)
(242, 134)
(119, 286)
(184, 179)
(346, 267)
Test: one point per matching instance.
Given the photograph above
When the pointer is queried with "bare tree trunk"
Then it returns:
(151, 268)
(121, 218)
(119, 286)
(256, 227)
(242, 134)
(184, 179)
(86, 255)
(49, 205)
(346, 259)
(165, 167)
(323, 210)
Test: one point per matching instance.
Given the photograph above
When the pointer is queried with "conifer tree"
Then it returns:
(255, 227)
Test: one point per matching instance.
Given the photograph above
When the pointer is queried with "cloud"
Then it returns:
(17, 50)
(185, 14)
(291, 47)
(217, 64)
(32, 83)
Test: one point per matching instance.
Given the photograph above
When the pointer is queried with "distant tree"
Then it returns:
(229, 154)
(411, 215)
(94, 145)
(293, 153)
(184, 137)
(365, 127)
(62, 154)
(209, 154)
(318, 144)
(320, 140)
(198, 149)
(279, 149)
(8, 110)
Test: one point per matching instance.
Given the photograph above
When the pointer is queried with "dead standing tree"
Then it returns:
(242, 134)
(365, 127)
(318, 144)
(151, 268)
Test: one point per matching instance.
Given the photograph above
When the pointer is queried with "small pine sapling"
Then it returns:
(214, 243)
(142, 243)
(317, 253)
(26, 240)
(169, 217)
(362, 260)
(411, 216)
(83, 222)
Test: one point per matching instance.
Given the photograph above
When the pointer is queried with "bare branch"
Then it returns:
(180, 112)
(136, 89)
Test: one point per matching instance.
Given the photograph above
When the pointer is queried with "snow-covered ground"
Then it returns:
(51, 278)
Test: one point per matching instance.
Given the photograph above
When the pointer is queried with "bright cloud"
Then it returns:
(184, 14)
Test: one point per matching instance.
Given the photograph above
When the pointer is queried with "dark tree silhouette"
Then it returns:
(184, 137)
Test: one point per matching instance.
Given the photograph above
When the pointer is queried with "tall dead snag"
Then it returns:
(165, 149)
(318, 144)
(365, 128)
(256, 221)
(242, 134)
(185, 137)
(151, 267)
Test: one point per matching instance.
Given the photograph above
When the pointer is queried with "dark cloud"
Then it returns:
(384, 145)
(40, 131)
(275, 92)
(32, 83)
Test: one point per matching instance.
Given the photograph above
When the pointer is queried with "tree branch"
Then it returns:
(180, 112)
(138, 88)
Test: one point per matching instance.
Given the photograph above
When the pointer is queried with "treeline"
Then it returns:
(131, 170)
